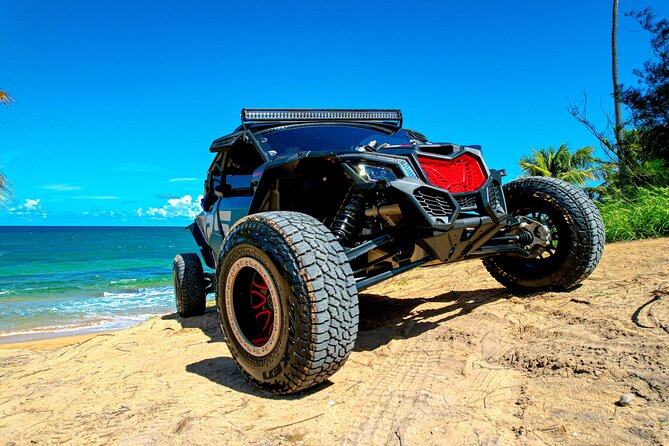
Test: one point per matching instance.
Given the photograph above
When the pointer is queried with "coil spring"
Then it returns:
(525, 237)
(345, 224)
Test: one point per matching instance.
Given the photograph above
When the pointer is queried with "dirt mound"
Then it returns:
(444, 356)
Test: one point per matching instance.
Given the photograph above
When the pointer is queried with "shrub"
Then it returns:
(644, 215)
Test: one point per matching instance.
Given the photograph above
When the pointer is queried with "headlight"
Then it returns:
(376, 173)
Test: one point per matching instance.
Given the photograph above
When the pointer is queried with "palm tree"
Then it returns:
(5, 98)
(4, 187)
(575, 168)
(619, 129)
(5, 191)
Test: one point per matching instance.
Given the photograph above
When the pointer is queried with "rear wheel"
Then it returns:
(575, 227)
(189, 285)
(287, 300)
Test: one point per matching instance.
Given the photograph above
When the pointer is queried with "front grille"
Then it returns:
(434, 204)
(467, 203)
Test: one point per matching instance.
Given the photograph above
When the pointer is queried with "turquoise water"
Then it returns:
(59, 279)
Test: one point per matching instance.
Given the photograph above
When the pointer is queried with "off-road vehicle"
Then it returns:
(304, 208)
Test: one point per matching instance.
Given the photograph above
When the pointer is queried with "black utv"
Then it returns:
(303, 208)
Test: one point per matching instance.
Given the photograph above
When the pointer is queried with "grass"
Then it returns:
(645, 215)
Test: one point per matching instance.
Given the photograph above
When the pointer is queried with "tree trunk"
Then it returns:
(620, 144)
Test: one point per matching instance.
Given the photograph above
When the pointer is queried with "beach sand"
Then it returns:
(48, 342)
(444, 356)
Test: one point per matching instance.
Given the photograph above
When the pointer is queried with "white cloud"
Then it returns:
(31, 205)
(96, 197)
(29, 208)
(156, 212)
(175, 207)
(61, 187)
(181, 180)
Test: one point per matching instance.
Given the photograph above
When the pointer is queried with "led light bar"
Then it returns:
(313, 114)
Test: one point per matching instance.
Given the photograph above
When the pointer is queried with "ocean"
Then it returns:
(60, 280)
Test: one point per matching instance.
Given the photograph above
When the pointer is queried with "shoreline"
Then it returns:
(49, 339)
(51, 342)
(34, 340)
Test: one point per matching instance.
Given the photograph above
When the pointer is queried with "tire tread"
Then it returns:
(190, 293)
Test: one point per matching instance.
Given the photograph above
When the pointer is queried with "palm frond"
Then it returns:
(535, 170)
(578, 177)
(577, 167)
(6, 98)
(4, 188)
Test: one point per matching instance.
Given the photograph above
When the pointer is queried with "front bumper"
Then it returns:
(438, 209)
(451, 227)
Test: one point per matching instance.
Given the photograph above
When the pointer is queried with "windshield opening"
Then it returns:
(327, 138)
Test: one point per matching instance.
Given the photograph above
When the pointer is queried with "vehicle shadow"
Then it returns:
(224, 371)
(208, 323)
(382, 319)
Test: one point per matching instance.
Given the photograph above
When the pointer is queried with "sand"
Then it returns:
(444, 356)
(48, 342)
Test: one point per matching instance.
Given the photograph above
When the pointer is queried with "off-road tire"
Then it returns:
(580, 241)
(316, 296)
(189, 285)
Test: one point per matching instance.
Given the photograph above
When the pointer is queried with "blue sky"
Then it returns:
(117, 102)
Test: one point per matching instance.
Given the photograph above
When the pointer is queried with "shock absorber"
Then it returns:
(345, 225)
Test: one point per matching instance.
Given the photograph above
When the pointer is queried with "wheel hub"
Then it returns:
(534, 235)
(252, 306)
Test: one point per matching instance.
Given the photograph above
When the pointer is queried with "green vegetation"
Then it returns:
(648, 101)
(646, 215)
(643, 212)
(575, 168)
(633, 190)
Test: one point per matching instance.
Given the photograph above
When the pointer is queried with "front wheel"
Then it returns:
(287, 300)
(576, 230)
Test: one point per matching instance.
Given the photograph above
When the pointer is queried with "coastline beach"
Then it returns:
(63, 281)
(457, 236)
(50, 342)
(444, 356)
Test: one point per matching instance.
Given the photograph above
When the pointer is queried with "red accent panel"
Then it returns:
(461, 174)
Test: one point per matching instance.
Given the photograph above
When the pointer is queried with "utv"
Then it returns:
(304, 208)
